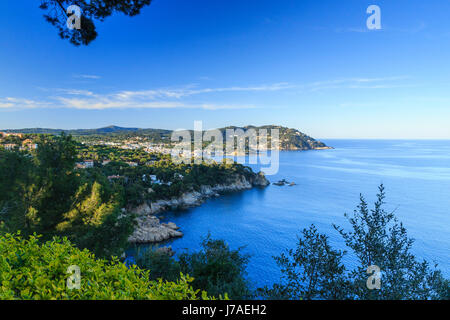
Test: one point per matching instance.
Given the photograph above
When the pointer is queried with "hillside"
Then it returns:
(290, 139)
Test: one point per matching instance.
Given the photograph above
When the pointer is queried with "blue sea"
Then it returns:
(416, 175)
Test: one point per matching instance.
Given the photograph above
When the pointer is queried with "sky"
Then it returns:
(311, 65)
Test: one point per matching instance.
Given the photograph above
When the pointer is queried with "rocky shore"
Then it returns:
(150, 230)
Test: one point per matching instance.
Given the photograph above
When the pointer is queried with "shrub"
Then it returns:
(30, 270)
(314, 270)
(160, 264)
(215, 268)
(218, 269)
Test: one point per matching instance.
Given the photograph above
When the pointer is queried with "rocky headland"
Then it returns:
(149, 229)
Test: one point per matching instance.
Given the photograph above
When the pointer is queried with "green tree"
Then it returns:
(56, 14)
(315, 271)
(44, 194)
(54, 182)
(95, 222)
(312, 271)
(15, 177)
(217, 268)
(378, 238)
(160, 264)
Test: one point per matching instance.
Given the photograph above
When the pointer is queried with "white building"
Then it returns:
(154, 179)
(85, 164)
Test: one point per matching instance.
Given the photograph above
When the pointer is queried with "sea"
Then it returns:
(328, 183)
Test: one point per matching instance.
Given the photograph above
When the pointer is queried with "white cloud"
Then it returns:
(87, 76)
(102, 104)
(11, 102)
(227, 107)
(192, 90)
(164, 98)
(359, 83)
(76, 92)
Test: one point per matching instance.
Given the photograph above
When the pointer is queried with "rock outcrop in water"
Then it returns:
(150, 230)
(284, 182)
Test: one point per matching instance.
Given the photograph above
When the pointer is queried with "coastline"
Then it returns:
(327, 188)
(149, 229)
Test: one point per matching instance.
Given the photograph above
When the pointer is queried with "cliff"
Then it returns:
(150, 230)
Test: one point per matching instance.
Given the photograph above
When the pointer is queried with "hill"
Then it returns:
(290, 139)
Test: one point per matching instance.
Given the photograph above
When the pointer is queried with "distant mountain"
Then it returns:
(290, 139)
(82, 132)
(112, 129)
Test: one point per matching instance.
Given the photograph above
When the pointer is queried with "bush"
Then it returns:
(30, 270)
(314, 270)
(377, 238)
(160, 264)
(217, 269)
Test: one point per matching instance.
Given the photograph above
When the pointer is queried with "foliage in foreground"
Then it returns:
(161, 264)
(30, 270)
(315, 271)
(215, 268)
(42, 193)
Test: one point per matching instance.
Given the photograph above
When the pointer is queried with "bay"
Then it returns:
(416, 175)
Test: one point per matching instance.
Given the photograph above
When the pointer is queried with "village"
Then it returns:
(11, 141)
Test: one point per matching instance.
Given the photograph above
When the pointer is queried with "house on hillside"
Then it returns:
(89, 163)
(177, 175)
(132, 164)
(10, 146)
(154, 179)
(85, 164)
(7, 134)
(29, 144)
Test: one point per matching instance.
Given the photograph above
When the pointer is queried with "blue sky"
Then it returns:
(312, 65)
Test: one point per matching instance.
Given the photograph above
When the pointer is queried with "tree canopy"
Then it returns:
(90, 11)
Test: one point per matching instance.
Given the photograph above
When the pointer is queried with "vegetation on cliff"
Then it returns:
(289, 138)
